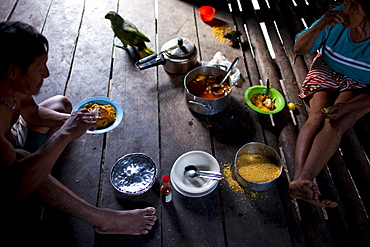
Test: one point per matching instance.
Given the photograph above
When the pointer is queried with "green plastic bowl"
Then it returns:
(279, 103)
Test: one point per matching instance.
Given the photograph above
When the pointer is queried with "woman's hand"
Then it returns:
(336, 111)
(331, 18)
(307, 39)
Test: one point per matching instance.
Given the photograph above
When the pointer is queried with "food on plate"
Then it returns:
(256, 168)
(201, 85)
(263, 101)
(105, 115)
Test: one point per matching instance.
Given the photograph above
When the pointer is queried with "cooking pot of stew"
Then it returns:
(198, 94)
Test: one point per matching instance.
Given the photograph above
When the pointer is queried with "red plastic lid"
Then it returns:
(166, 179)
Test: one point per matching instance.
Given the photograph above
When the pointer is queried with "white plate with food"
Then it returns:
(110, 113)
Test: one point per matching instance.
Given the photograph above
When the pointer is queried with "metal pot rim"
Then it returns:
(254, 185)
(205, 67)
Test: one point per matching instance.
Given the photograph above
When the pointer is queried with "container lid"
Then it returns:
(133, 174)
(179, 48)
(166, 179)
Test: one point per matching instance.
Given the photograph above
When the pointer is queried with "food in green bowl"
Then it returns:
(274, 95)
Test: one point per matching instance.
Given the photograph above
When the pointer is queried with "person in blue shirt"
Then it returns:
(336, 87)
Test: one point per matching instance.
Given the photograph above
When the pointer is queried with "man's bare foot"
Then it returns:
(131, 222)
(308, 191)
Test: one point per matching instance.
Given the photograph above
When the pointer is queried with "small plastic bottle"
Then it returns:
(166, 189)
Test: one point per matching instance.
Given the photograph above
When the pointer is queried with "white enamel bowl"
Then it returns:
(194, 187)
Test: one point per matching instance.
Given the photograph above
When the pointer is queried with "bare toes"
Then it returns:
(149, 210)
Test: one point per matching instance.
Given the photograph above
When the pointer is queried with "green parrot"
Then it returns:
(233, 35)
(128, 33)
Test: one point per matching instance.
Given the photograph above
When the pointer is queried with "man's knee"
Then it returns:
(58, 103)
(66, 103)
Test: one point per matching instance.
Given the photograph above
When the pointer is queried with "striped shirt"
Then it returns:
(341, 53)
(322, 77)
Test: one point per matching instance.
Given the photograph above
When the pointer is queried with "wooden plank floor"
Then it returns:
(84, 62)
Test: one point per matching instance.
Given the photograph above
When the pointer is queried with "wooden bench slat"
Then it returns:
(353, 212)
(357, 164)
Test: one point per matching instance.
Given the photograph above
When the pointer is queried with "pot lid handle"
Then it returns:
(179, 48)
(180, 43)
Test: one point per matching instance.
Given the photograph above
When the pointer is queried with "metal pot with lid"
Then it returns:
(178, 56)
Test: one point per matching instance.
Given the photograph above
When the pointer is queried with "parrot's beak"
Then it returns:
(107, 16)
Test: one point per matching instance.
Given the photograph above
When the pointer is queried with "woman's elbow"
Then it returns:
(300, 50)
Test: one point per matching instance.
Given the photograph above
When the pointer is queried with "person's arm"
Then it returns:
(361, 101)
(306, 40)
(31, 170)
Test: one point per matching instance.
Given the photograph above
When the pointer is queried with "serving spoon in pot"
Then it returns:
(217, 89)
(191, 171)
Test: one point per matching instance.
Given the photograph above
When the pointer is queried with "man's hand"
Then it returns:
(78, 123)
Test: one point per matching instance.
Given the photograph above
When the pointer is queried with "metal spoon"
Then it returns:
(192, 171)
(217, 88)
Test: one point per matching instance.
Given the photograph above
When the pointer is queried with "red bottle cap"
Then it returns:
(166, 179)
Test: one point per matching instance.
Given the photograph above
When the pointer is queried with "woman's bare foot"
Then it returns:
(131, 222)
(308, 191)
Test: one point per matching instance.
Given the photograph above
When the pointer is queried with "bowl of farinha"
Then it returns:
(256, 166)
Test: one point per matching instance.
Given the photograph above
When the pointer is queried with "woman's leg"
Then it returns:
(323, 147)
(310, 129)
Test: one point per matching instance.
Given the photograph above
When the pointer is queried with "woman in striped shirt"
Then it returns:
(336, 87)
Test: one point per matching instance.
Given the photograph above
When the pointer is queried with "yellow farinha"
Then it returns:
(256, 168)
(219, 31)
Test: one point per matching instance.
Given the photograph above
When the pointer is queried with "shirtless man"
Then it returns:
(22, 71)
(340, 75)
